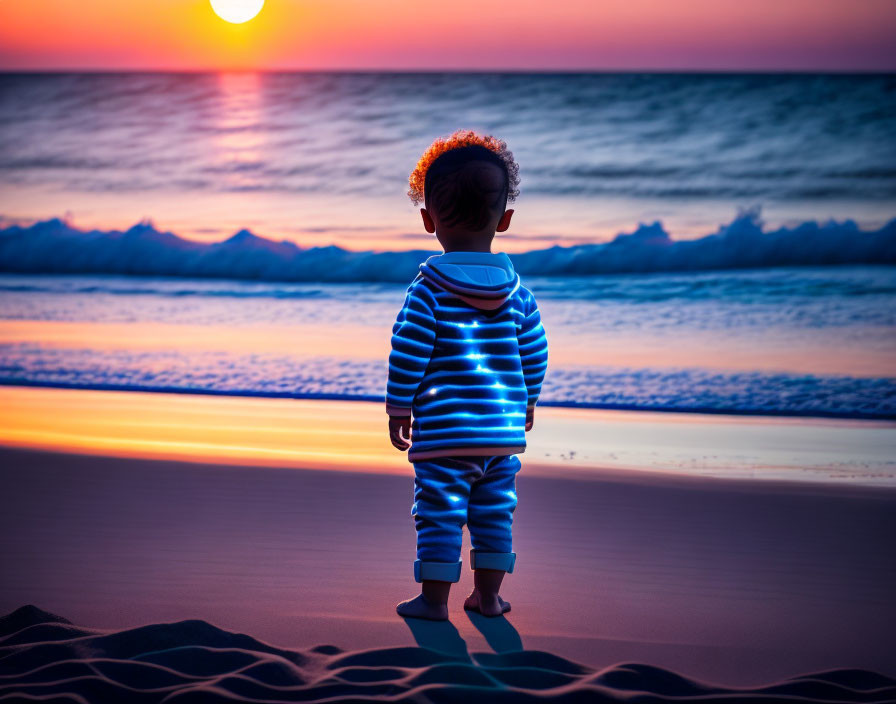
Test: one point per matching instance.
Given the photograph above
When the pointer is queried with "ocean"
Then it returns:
(712, 243)
(812, 341)
(323, 158)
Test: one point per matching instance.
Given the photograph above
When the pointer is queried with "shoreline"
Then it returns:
(367, 398)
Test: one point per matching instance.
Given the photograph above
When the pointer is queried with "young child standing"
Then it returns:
(469, 355)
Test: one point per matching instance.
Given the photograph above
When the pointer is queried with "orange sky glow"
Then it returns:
(464, 34)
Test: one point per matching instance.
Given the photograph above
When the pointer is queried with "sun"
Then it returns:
(237, 11)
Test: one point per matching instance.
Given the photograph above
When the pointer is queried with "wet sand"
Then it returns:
(351, 435)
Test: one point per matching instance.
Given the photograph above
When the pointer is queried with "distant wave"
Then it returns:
(54, 286)
(749, 286)
(47, 656)
(647, 138)
(53, 246)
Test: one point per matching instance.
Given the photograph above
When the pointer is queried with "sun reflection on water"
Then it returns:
(239, 138)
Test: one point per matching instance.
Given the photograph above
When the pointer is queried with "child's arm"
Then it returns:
(533, 346)
(413, 337)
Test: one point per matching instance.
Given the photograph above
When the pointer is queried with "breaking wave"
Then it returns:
(54, 246)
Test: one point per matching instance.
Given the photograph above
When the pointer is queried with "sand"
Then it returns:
(193, 661)
(351, 435)
(728, 583)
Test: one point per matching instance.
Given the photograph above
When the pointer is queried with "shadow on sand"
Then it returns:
(443, 637)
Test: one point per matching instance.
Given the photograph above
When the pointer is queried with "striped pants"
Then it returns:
(449, 492)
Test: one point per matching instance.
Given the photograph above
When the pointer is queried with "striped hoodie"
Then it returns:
(469, 354)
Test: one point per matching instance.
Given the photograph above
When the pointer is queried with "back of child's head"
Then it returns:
(465, 180)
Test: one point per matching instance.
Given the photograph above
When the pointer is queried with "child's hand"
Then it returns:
(530, 418)
(400, 431)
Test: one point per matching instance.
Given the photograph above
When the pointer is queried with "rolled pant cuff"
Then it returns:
(492, 560)
(437, 571)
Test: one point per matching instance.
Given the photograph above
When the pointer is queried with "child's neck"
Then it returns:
(471, 248)
(455, 243)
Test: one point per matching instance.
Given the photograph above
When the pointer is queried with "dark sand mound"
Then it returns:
(43, 657)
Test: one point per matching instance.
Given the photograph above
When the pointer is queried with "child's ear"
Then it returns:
(504, 222)
(427, 221)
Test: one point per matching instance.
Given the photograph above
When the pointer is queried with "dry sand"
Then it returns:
(44, 657)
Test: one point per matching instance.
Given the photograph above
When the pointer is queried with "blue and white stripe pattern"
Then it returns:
(452, 491)
(469, 354)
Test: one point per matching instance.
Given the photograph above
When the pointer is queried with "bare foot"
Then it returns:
(419, 607)
(486, 607)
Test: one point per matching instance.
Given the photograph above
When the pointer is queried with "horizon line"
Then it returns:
(431, 71)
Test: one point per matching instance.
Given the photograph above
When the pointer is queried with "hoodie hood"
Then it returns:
(485, 280)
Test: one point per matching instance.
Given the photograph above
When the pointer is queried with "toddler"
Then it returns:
(468, 358)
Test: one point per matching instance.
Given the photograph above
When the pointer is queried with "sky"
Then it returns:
(776, 35)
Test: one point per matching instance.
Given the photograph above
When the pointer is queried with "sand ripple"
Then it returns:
(43, 657)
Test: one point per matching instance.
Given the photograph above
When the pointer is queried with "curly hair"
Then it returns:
(458, 140)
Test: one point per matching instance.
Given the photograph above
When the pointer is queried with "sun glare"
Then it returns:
(237, 11)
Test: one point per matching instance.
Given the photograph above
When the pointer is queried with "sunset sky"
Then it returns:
(465, 34)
